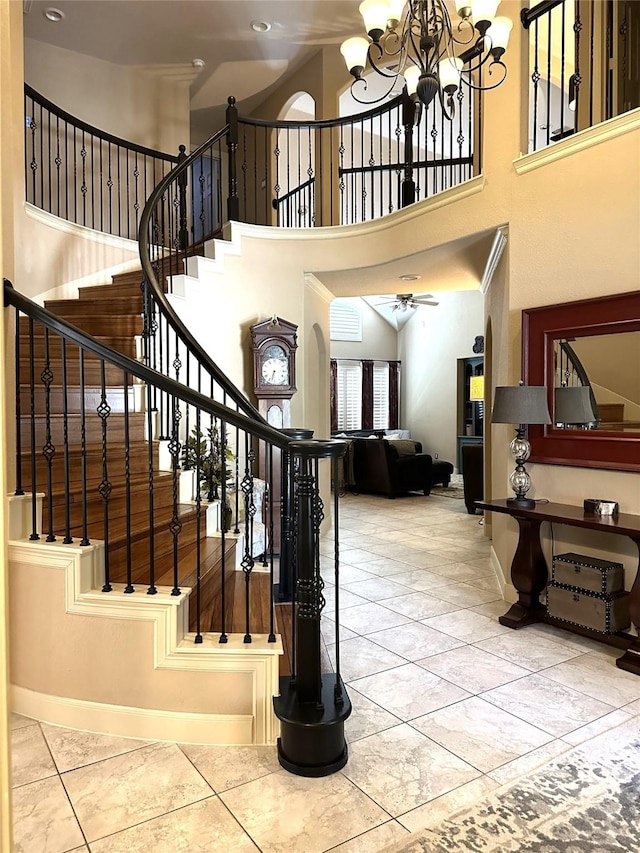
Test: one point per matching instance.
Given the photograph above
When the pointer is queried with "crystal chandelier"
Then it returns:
(416, 40)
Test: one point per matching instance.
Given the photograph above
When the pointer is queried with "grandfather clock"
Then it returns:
(274, 345)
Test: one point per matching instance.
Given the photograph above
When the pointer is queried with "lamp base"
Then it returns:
(522, 502)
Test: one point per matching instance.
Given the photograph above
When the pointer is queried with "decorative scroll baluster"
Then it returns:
(247, 562)
(83, 453)
(32, 397)
(272, 633)
(338, 689)
(65, 427)
(198, 496)
(105, 487)
(175, 527)
(19, 489)
(152, 590)
(127, 482)
(48, 450)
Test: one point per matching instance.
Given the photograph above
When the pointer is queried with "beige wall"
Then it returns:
(123, 100)
(429, 347)
(379, 339)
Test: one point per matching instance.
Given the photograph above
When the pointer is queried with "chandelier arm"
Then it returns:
(445, 107)
(473, 86)
(377, 68)
(379, 98)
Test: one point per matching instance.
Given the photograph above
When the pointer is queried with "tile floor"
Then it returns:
(447, 706)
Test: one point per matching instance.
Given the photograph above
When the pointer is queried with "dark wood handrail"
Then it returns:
(260, 428)
(30, 92)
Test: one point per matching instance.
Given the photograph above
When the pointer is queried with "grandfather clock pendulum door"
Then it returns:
(274, 345)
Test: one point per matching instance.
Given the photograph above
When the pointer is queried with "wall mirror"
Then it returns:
(587, 354)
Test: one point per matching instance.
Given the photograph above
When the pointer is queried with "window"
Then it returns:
(349, 395)
(345, 321)
(381, 395)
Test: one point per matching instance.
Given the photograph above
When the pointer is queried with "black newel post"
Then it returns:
(284, 588)
(183, 234)
(408, 120)
(233, 202)
(312, 705)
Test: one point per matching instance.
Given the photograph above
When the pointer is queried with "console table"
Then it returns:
(529, 571)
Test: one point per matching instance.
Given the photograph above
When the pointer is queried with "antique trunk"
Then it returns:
(604, 613)
(588, 573)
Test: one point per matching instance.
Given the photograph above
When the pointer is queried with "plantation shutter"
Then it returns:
(381, 395)
(349, 394)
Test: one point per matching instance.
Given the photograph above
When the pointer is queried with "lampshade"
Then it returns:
(395, 8)
(520, 404)
(375, 14)
(484, 10)
(449, 73)
(573, 405)
(500, 32)
(354, 51)
(411, 77)
(476, 390)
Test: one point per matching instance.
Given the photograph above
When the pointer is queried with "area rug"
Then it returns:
(453, 490)
(585, 801)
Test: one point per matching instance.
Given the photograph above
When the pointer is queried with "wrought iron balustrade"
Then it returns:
(583, 61)
(84, 174)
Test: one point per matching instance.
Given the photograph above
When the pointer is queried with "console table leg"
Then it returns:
(630, 660)
(529, 576)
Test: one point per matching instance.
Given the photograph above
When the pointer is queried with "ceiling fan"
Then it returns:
(404, 301)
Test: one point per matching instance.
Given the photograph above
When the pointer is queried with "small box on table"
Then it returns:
(603, 613)
(588, 573)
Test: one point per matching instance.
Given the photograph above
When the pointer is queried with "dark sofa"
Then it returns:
(387, 467)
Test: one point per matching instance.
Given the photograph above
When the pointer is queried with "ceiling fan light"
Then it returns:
(354, 51)
(375, 14)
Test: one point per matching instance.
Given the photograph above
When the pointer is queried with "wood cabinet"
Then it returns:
(470, 413)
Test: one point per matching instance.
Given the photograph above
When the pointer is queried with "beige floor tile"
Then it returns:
(519, 648)
(513, 770)
(374, 840)
(425, 772)
(419, 605)
(371, 617)
(465, 595)
(481, 734)
(599, 677)
(126, 790)
(473, 669)
(465, 625)
(492, 609)
(297, 814)
(204, 827)
(43, 820)
(435, 811)
(376, 588)
(419, 580)
(546, 704)
(367, 717)
(414, 640)
(72, 749)
(226, 767)
(597, 727)
(17, 721)
(409, 691)
(30, 756)
(360, 657)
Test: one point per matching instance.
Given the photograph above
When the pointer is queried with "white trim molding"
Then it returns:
(610, 129)
(497, 248)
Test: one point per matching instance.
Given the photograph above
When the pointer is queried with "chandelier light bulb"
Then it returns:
(395, 12)
(375, 14)
(463, 8)
(449, 70)
(483, 13)
(354, 51)
(411, 77)
(500, 32)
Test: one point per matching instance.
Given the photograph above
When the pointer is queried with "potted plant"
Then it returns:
(205, 454)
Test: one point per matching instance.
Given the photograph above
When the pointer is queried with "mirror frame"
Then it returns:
(540, 328)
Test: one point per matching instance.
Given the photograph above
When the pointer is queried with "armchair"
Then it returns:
(390, 467)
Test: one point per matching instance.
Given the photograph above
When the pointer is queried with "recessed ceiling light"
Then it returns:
(260, 26)
(198, 63)
(54, 15)
(409, 277)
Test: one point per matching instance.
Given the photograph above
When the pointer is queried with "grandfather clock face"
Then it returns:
(274, 366)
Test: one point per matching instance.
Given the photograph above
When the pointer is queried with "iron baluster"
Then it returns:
(223, 529)
(175, 527)
(198, 498)
(32, 396)
(127, 482)
(83, 188)
(110, 188)
(233, 202)
(247, 562)
(336, 578)
(105, 487)
(19, 489)
(272, 632)
(65, 426)
(152, 590)
(83, 452)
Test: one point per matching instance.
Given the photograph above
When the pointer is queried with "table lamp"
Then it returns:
(572, 406)
(520, 404)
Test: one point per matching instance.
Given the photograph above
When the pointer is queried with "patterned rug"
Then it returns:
(453, 490)
(585, 801)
